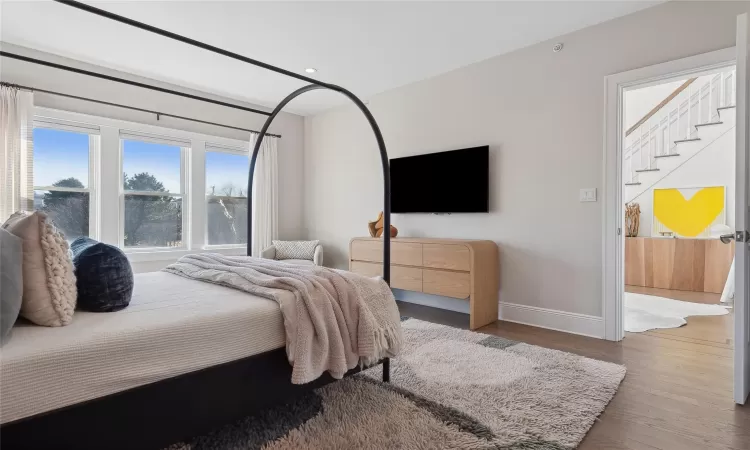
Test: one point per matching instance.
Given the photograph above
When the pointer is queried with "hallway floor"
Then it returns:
(716, 331)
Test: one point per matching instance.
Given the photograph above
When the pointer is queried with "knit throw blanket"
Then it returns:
(333, 319)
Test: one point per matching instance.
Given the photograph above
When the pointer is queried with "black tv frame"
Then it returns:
(422, 155)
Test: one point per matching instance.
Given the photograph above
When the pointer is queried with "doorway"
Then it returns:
(678, 186)
(649, 151)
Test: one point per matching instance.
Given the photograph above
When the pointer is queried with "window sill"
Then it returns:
(174, 255)
(211, 248)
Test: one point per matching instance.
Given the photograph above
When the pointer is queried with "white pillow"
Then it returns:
(295, 249)
(49, 285)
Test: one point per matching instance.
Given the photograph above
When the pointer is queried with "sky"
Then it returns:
(64, 154)
(160, 160)
(223, 169)
(59, 155)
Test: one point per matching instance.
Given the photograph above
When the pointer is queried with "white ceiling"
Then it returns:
(367, 47)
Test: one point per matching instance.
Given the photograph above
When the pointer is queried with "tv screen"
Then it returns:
(447, 182)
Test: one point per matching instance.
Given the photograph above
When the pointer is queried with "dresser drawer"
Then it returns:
(446, 256)
(367, 269)
(407, 278)
(406, 253)
(449, 284)
(366, 250)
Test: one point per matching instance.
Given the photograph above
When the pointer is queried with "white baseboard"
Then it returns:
(553, 319)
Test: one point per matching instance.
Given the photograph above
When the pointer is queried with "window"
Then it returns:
(152, 182)
(62, 178)
(155, 192)
(226, 196)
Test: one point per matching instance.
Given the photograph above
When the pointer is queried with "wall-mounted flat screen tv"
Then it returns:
(455, 181)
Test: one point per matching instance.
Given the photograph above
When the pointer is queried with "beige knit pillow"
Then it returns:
(295, 249)
(49, 285)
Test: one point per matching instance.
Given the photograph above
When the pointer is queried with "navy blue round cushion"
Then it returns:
(104, 278)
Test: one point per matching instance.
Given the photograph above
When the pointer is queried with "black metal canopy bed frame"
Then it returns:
(168, 411)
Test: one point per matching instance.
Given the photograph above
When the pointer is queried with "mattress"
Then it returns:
(172, 326)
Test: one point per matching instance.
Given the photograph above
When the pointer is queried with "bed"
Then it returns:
(184, 357)
(173, 326)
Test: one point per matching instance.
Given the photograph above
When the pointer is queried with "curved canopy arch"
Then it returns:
(383, 161)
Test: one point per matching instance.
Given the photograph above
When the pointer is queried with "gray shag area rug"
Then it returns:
(450, 389)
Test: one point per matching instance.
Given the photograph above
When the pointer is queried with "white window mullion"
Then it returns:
(154, 194)
(109, 182)
(197, 194)
(153, 138)
(120, 193)
(60, 189)
(65, 125)
(94, 189)
(184, 177)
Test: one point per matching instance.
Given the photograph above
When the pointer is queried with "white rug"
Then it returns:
(647, 312)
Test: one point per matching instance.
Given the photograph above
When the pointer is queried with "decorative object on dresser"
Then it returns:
(376, 227)
(450, 267)
(632, 219)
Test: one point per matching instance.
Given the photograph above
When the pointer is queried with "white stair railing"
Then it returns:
(659, 132)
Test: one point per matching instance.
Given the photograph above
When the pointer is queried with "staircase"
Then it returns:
(691, 119)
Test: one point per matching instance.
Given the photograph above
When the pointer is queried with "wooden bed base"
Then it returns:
(157, 415)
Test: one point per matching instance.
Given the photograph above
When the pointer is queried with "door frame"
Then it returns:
(742, 252)
(613, 245)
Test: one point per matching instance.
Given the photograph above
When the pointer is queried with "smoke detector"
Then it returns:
(557, 47)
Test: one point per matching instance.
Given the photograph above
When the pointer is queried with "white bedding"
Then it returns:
(173, 326)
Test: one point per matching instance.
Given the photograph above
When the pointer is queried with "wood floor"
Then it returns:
(717, 331)
(677, 394)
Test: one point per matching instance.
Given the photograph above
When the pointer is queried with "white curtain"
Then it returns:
(265, 195)
(16, 151)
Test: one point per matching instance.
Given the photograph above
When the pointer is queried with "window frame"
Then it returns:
(231, 150)
(93, 133)
(185, 147)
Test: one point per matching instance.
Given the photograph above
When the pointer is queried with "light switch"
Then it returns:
(588, 195)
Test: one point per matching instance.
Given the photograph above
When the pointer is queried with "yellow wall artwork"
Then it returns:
(689, 212)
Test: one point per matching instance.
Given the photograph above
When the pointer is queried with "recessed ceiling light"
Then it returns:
(311, 70)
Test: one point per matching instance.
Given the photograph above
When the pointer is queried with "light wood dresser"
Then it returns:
(449, 267)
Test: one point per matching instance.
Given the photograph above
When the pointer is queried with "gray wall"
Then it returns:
(542, 115)
(290, 126)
